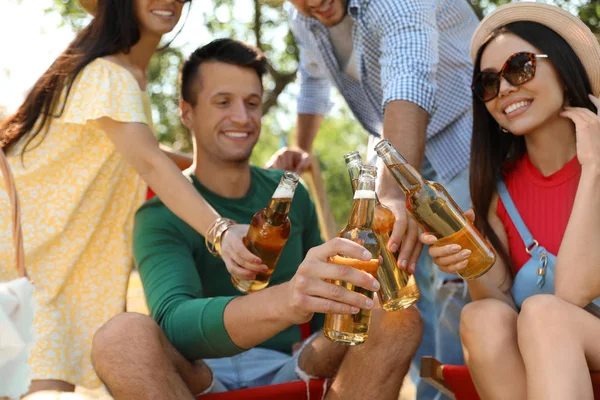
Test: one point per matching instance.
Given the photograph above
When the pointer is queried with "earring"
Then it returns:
(502, 130)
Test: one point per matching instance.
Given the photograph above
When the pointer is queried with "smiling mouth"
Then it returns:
(325, 7)
(237, 135)
(514, 107)
(163, 13)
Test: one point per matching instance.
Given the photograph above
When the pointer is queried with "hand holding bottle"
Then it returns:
(449, 258)
(310, 290)
(406, 231)
(240, 262)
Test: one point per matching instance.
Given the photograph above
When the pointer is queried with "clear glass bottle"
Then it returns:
(437, 213)
(268, 233)
(353, 329)
(399, 289)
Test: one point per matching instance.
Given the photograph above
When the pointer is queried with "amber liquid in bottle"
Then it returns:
(353, 329)
(399, 289)
(436, 213)
(268, 233)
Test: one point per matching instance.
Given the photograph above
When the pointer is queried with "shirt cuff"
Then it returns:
(201, 331)
(413, 89)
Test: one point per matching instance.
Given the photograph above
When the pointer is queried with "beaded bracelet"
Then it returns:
(215, 235)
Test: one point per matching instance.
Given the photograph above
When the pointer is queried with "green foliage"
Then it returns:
(267, 28)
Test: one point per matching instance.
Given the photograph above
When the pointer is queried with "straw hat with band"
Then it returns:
(570, 28)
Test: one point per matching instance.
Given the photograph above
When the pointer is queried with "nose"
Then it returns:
(239, 113)
(505, 88)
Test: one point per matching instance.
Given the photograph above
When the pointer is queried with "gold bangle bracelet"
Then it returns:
(215, 234)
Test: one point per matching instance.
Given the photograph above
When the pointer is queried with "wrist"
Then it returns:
(216, 233)
(286, 309)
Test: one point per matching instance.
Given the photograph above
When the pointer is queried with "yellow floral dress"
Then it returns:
(78, 197)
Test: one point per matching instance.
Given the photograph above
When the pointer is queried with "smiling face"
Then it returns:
(157, 17)
(226, 118)
(525, 108)
(328, 12)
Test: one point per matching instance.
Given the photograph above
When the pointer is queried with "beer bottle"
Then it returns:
(268, 233)
(398, 288)
(352, 329)
(437, 213)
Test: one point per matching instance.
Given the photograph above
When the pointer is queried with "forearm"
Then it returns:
(405, 126)
(578, 260)
(252, 319)
(177, 193)
(307, 127)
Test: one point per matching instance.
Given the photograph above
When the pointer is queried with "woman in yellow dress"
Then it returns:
(81, 148)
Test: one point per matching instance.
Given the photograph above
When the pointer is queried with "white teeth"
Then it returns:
(325, 7)
(236, 134)
(163, 13)
(516, 106)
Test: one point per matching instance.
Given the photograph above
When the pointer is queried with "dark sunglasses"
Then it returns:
(183, 1)
(517, 70)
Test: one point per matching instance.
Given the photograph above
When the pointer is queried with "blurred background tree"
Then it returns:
(267, 28)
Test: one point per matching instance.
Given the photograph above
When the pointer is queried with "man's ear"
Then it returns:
(186, 113)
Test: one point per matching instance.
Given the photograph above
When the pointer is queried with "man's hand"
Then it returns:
(240, 262)
(310, 290)
(406, 231)
(290, 160)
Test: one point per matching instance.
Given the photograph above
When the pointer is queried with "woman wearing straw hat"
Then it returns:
(535, 184)
(81, 147)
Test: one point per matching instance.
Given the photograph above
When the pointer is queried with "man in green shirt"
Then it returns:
(207, 337)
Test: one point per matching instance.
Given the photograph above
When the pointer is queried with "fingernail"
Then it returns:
(403, 263)
(257, 261)
(265, 269)
(367, 255)
(369, 303)
(354, 310)
(394, 247)
(465, 253)
(455, 247)
(413, 266)
(376, 286)
(464, 263)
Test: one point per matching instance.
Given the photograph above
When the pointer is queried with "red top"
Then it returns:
(544, 202)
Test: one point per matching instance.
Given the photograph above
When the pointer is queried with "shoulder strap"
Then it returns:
(514, 215)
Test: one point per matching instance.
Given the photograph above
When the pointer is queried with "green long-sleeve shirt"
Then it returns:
(187, 289)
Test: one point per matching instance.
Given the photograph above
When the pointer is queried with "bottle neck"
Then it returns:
(279, 206)
(278, 210)
(407, 177)
(362, 213)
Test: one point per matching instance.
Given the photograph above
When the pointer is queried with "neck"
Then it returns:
(233, 178)
(552, 146)
(141, 52)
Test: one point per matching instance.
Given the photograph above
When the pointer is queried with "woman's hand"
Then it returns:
(587, 129)
(449, 258)
(240, 262)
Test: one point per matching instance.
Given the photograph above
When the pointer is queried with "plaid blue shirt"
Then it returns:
(414, 50)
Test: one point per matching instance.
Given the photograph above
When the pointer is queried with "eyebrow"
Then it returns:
(229, 94)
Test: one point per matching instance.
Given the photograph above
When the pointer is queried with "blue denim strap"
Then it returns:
(531, 245)
(514, 215)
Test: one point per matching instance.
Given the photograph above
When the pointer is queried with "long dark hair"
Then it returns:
(494, 153)
(114, 29)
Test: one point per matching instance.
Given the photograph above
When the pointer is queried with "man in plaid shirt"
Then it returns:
(404, 69)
